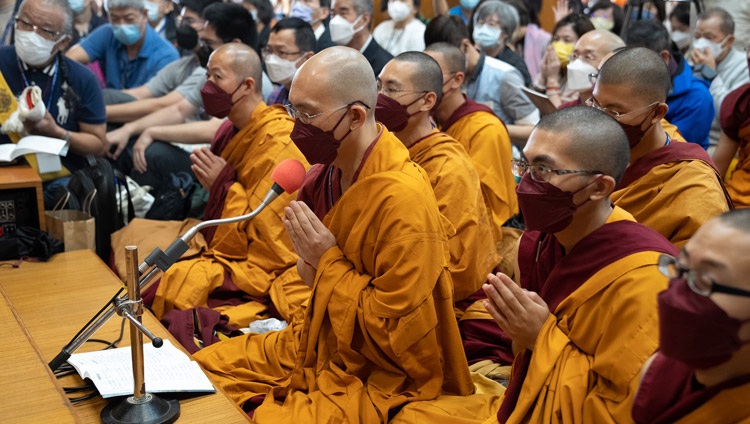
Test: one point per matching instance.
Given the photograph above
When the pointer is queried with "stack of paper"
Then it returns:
(167, 370)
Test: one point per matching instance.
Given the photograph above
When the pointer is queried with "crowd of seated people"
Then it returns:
(497, 223)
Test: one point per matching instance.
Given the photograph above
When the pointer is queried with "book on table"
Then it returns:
(167, 370)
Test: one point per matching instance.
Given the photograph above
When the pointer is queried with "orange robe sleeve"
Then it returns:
(379, 330)
(674, 199)
(586, 361)
(256, 255)
(487, 142)
(459, 196)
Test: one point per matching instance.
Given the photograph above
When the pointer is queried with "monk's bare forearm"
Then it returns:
(724, 153)
(519, 134)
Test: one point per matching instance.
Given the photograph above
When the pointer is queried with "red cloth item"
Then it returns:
(469, 106)
(669, 391)
(226, 178)
(735, 112)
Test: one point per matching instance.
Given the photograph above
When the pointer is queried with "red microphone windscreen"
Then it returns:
(289, 174)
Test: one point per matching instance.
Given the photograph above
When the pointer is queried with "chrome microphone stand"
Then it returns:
(142, 407)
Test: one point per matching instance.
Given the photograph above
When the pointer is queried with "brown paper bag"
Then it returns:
(76, 229)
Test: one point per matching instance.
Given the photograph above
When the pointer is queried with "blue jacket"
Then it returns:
(691, 107)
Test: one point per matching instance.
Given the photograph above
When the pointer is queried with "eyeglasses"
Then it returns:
(617, 115)
(307, 118)
(698, 282)
(45, 33)
(267, 51)
(542, 173)
(391, 92)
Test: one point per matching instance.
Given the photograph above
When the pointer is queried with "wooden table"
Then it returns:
(46, 304)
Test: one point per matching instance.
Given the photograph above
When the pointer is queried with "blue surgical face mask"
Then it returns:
(302, 11)
(153, 11)
(469, 4)
(76, 5)
(127, 34)
(486, 36)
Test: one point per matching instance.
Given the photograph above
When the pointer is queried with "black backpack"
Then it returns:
(99, 175)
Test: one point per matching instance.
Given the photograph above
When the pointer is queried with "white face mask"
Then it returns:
(682, 39)
(279, 70)
(33, 49)
(153, 11)
(486, 36)
(714, 48)
(398, 11)
(578, 75)
(342, 31)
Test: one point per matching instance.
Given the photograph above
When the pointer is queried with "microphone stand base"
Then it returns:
(150, 409)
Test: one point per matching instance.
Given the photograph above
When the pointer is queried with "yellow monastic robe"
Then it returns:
(379, 330)
(738, 185)
(460, 199)
(673, 190)
(728, 406)
(486, 139)
(588, 355)
(257, 255)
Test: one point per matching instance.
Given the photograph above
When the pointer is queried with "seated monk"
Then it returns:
(482, 134)
(410, 85)
(379, 330)
(584, 319)
(701, 373)
(735, 135)
(670, 186)
(245, 270)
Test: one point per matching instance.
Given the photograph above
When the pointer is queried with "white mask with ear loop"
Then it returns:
(33, 49)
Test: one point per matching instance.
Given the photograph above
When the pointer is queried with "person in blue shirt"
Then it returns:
(130, 51)
(71, 93)
(691, 107)
(464, 9)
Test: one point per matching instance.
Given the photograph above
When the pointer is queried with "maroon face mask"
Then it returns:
(634, 132)
(545, 207)
(316, 145)
(216, 101)
(694, 330)
(392, 114)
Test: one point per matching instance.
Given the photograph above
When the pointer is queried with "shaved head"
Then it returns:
(426, 75)
(605, 41)
(242, 60)
(595, 140)
(343, 74)
(739, 219)
(641, 69)
(452, 57)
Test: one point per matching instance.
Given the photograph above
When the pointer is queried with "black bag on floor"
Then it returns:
(108, 182)
(174, 204)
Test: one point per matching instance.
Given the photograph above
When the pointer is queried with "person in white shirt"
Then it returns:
(716, 60)
(404, 32)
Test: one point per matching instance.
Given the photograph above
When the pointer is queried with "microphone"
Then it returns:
(288, 176)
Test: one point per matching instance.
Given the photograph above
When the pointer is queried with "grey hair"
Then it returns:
(63, 6)
(122, 4)
(506, 14)
(362, 7)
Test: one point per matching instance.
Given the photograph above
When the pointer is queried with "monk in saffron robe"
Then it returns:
(247, 270)
(735, 135)
(410, 85)
(483, 135)
(669, 186)
(583, 320)
(379, 330)
(701, 373)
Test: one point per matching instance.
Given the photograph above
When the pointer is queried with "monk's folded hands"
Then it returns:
(310, 238)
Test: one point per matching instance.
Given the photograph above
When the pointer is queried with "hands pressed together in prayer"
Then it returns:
(519, 313)
(310, 238)
(206, 166)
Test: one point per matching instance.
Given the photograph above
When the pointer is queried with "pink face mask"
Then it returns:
(695, 330)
